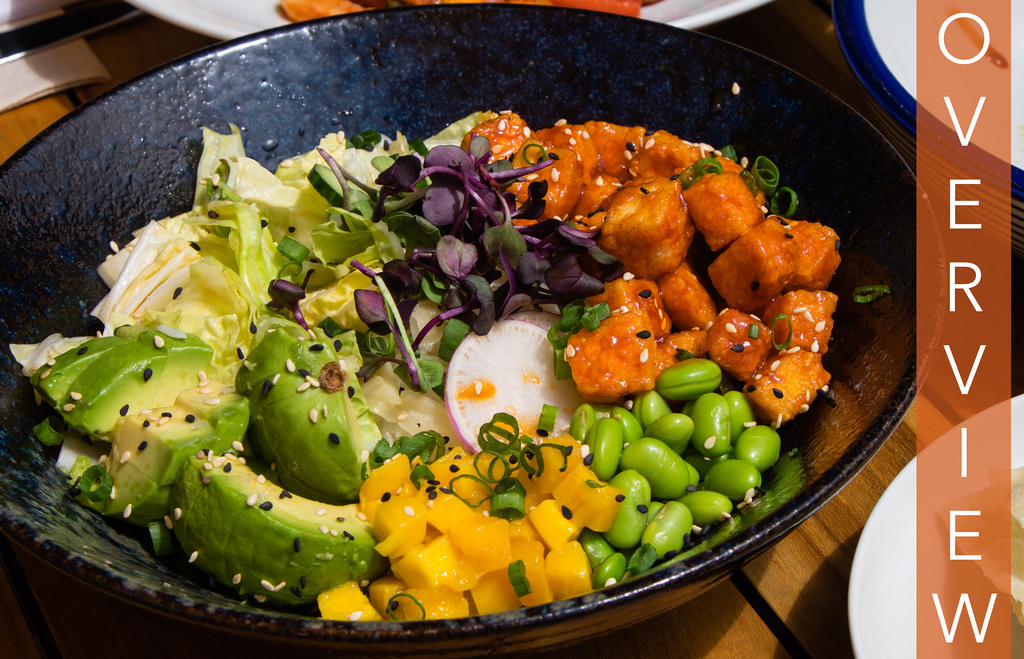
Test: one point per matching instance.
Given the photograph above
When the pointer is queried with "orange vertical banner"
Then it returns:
(963, 256)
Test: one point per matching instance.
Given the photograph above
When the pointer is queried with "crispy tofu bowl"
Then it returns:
(127, 158)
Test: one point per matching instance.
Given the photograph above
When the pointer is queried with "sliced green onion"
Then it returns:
(393, 605)
(496, 458)
(296, 266)
(368, 138)
(454, 331)
(548, 414)
(766, 175)
(788, 197)
(517, 577)
(748, 180)
(683, 355)
(697, 170)
(869, 294)
(753, 332)
(729, 151)
(96, 483)
(50, 431)
(500, 434)
(421, 472)
(789, 339)
(538, 147)
(419, 147)
(161, 537)
(455, 493)
(642, 559)
(593, 315)
(562, 369)
(330, 327)
(292, 249)
(594, 484)
(508, 500)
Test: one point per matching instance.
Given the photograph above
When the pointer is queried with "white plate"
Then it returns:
(227, 19)
(883, 54)
(882, 602)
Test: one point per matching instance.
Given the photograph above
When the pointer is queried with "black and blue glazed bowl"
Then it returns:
(131, 155)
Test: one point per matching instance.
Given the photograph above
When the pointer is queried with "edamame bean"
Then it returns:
(666, 532)
(700, 463)
(631, 519)
(711, 427)
(631, 428)
(707, 507)
(611, 570)
(648, 407)
(582, 420)
(663, 468)
(605, 442)
(733, 478)
(758, 445)
(688, 379)
(674, 429)
(653, 509)
(694, 474)
(595, 546)
(741, 413)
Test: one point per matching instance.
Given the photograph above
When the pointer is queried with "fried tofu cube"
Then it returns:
(735, 346)
(786, 385)
(506, 133)
(564, 178)
(591, 199)
(639, 298)
(810, 313)
(756, 267)
(687, 301)
(722, 208)
(669, 347)
(613, 360)
(817, 257)
(616, 146)
(646, 226)
(575, 138)
(663, 154)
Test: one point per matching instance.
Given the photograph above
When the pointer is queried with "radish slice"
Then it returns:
(543, 319)
(510, 369)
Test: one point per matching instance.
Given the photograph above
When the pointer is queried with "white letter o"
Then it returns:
(942, 38)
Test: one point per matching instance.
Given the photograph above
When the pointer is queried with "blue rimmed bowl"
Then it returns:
(131, 155)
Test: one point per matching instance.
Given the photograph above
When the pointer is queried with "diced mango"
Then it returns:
(552, 525)
(448, 511)
(438, 602)
(568, 571)
(531, 553)
(556, 462)
(591, 501)
(457, 466)
(400, 524)
(494, 593)
(437, 563)
(381, 592)
(484, 543)
(522, 528)
(346, 602)
(387, 478)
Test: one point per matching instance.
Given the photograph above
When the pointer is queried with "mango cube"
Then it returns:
(346, 602)
(494, 593)
(400, 524)
(568, 571)
(554, 527)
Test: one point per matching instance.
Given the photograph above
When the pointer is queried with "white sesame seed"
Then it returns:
(164, 420)
(775, 365)
(323, 410)
(45, 374)
(644, 354)
(478, 387)
(626, 276)
(126, 456)
(554, 176)
(280, 586)
(273, 380)
(628, 154)
(267, 585)
(207, 466)
(113, 493)
(289, 365)
(503, 125)
(259, 598)
(696, 529)
(302, 387)
(735, 88)
(820, 327)
(168, 523)
(793, 350)
(219, 461)
(402, 416)
(324, 530)
(814, 346)
(261, 479)
(409, 511)
(804, 407)
(193, 556)
(429, 503)
(527, 132)
(355, 615)
(128, 511)
(730, 328)
(572, 142)
(251, 499)
(749, 495)
(709, 443)
(176, 513)
(778, 421)
(334, 533)
(531, 177)
(744, 161)
(113, 247)
(560, 122)
(68, 407)
(237, 579)
(75, 395)
(824, 388)
(610, 581)
(314, 415)
(320, 512)
(158, 341)
(205, 391)
(361, 517)
(749, 424)
(212, 402)
(584, 450)
(570, 351)
(237, 445)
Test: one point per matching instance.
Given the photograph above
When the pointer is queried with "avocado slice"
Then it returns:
(107, 378)
(309, 416)
(148, 450)
(261, 540)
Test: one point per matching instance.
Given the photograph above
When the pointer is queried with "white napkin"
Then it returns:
(45, 71)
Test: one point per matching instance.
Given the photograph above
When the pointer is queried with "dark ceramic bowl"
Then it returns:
(131, 155)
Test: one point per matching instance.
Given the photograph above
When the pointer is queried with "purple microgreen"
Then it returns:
(507, 240)
(443, 204)
(344, 176)
(455, 257)
(371, 310)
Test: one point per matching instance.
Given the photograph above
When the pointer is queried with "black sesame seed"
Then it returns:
(266, 505)
(169, 415)
(145, 424)
(351, 391)
(646, 293)
(782, 221)
(147, 374)
(446, 439)
(297, 545)
(620, 497)
(589, 460)
(778, 393)
(644, 190)
(433, 482)
(630, 147)
(213, 215)
(191, 418)
(691, 488)
(295, 591)
(291, 229)
(754, 285)
(252, 328)
(348, 535)
(431, 495)
(751, 388)
(737, 348)
(124, 410)
(83, 350)
(194, 245)
(674, 177)
(333, 438)
(643, 334)
(241, 355)
(316, 347)
(285, 494)
(566, 512)
(431, 488)
(177, 292)
(267, 385)
(227, 467)
(512, 459)
(446, 490)
(641, 508)
(302, 581)
(337, 345)
(453, 468)
(542, 432)
(386, 496)
(553, 156)
(788, 235)
(304, 373)
(393, 605)
(142, 445)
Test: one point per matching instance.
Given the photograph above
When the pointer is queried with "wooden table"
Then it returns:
(790, 601)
